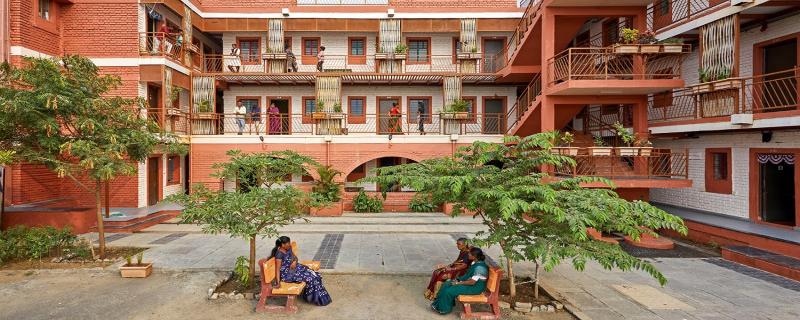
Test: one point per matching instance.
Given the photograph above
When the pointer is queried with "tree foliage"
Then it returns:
(531, 214)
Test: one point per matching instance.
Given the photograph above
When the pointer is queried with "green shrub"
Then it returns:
(21, 242)
(364, 203)
(421, 204)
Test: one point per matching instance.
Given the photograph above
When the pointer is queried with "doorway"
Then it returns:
(186, 170)
(387, 124)
(154, 103)
(389, 162)
(494, 110)
(153, 180)
(779, 92)
(281, 124)
(777, 188)
(492, 50)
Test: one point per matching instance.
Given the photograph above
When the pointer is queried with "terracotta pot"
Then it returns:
(650, 48)
(136, 271)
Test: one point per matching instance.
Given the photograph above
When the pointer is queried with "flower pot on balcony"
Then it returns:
(600, 151)
(333, 210)
(628, 151)
(203, 116)
(650, 48)
(136, 271)
(468, 55)
(673, 48)
(173, 112)
(732, 83)
(565, 151)
(626, 48)
(275, 56)
(645, 151)
(327, 115)
(701, 88)
(454, 115)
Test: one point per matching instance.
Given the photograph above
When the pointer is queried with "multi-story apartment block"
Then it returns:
(359, 84)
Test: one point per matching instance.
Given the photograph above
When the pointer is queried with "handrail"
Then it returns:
(611, 63)
(531, 12)
(665, 13)
(531, 92)
(169, 45)
(652, 164)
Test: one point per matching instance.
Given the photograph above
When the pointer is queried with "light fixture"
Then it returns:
(328, 138)
(261, 138)
(285, 12)
(453, 137)
(766, 136)
(390, 13)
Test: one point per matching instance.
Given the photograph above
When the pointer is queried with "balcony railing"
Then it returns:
(446, 64)
(382, 124)
(525, 100)
(170, 119)
(772, 92)
(606, 64)
(658, 164)
(665, 13)
(524, 24)
(159, 44)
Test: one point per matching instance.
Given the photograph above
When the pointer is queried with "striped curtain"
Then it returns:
(329, 91)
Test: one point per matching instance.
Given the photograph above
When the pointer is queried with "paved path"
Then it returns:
(410, 244)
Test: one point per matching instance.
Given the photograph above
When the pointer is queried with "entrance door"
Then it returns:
(153, 180)
(154, 103)
(494, 110)
(779, 92)
(281, 124)
(492, 49)
(386, 124)
(777, 203)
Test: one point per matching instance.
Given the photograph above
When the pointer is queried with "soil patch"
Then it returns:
(525, 292)
(234, 285)
(680, 250)
(113, 255)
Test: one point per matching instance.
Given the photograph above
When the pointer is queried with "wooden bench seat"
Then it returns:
(491, 297)
(269, 272)
(311, 264)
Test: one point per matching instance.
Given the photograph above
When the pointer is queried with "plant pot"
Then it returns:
(327, 115)
(334, 210)
(701, 88)
(136, 271)
(600, 151)
(645, 151)
(673, 48)
(627, 151)
(173, 112)
(650, 48)
(381, 56)
(275, 56)
(565, 151)
(203, 116)
(399, 56)
(454, 115)
(727, 84)
(626, 48)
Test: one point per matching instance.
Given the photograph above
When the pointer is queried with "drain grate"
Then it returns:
(169, 238)
(756, 273)
(328, 251)
(115, 237)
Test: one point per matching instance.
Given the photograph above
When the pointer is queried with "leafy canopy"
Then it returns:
(531, 214)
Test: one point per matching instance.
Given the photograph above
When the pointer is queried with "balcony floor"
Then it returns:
(352, 78)
(614, 87)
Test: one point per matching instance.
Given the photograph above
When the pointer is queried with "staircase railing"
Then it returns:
(659, 164)
(524, 101)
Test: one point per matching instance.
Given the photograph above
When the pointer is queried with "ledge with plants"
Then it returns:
(564, 143)
(335, 113)
(203, 110)
(711, 81)
(600, 148)
(400, 53)
(274, 55)
(469, 54)
(456, 111)
(635, 41)
(635, 147)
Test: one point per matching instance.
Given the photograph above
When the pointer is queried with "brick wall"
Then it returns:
(24, 33)
(99, 29)
(737, 203)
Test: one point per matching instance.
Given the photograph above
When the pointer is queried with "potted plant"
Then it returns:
(319, 112)
(629, 39)
(672, 45)
(400, 51)
(327, 192)
(704, 85)
(204, 110)
(645, 147)
(456, 110)
(647, 41)
(564, 143)
(724, 81)
(600, 148)
(628, 138)
(138, 270)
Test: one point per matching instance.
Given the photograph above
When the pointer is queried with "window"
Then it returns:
(309, 106)
(252, 106)
(356, 109)
(357, 46)
(663, 7)
(44, 9)
(456, 48)
(472, 107)
(250, 50)
(173, 170)
(718, 170)
(414, 112)
(310, 46)
(357, 50)
(419, 51)
(358, 173)
(611, 31)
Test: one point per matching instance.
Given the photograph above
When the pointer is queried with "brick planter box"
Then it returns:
(448, 210)
(334, 210)
(80, 220)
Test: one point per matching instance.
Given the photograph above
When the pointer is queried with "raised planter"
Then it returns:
(334, 210)
(136, 271)
(565, 151)
(626, 48)
(203, 116)
(327, 115)
(454, 115)
(673, 48)
(600, 151)
(275, 56)
(730, 83)
(628, 151)
(701, 88)
(468, 55)
(390, 56)
(650, 48)
(173, 112)
(645, 151)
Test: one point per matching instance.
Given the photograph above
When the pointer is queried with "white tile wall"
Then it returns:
(751, 37)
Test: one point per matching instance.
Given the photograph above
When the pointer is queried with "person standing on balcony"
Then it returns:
(240, 113)
(394, 119)
(320, 58)
(163, 38)
(291, 60)
(234, 60)
(274, 119)
(421, 117)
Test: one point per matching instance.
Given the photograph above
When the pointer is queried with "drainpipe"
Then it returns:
(328, 140)
(453, 139)
(5, 31)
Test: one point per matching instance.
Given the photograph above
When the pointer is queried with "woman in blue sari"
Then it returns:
(472, 282)
(292, 271)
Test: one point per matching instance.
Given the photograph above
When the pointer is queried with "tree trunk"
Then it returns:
(536, 280)
(252, 259)
(108, 199)
(512, 285)
(100, 231)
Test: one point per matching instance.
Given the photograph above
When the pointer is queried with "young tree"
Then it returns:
(60, 113)
(261, 202)
(530, 214)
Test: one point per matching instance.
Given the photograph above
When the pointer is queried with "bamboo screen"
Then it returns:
(187, 33)
(718, 45)
(329, 91)
(469, 35)
(202, 89)
(452, 90)
(275, 44)
(389, 37)
(167, 88)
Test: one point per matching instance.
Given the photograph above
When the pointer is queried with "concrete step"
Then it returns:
(137, 224)
(761, 259)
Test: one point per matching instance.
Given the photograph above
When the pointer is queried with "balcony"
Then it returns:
(364, 69)
(769, 96)
(664, 14)
(657, 169)
(162, 45)
(345, 124)
(170, 120)
(610, 71)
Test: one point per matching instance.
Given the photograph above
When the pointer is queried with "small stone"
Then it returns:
(214, 296)
(248, 295)
(542, 308)
(210, 291)
(523, 306)
(223, 295)
(504, 305)
(551, 308)
(238, 296)
(558, 305)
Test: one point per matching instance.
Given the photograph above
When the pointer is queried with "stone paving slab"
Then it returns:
(341, 228)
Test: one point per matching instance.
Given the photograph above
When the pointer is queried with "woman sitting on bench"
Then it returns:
(455, 269)
(292, 271)
(471, 283)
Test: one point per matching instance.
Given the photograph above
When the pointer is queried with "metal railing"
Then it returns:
(345, 124)
(524, 24)
(169, 119)
(665, 13)
(524, 101)
(778, 91)
(658, 164)
(159, 44)
(229, 64)
(606, 64)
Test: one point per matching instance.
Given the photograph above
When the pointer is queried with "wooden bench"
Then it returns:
(270, 271)
(311, 264)
(491, 297)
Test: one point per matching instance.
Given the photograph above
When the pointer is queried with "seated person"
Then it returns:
(445, 272)
(292, 271)
(471, 283)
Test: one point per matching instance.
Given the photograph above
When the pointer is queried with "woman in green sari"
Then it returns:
(472, 282)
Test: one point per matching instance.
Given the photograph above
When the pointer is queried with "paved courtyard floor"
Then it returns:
(377, 265)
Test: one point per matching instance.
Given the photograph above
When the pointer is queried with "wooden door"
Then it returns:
(153, 181)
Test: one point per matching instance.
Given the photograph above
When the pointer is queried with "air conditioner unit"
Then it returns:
(740, 2)
(742, 119)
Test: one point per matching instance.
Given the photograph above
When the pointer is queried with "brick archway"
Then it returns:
(364, 159)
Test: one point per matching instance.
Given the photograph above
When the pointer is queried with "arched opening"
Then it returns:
(367, 169)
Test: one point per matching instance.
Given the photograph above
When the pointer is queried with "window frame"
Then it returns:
(250, 116)
(427, 54)
(51, 23)
(410, 106)
(308, 59)
(174, 177)
(308, 117)
(713, 185)
(456, 45)
(244, 59)
(474, 113)
(356, 58)
(355, 119)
